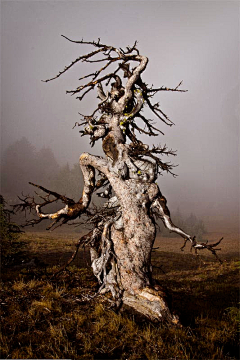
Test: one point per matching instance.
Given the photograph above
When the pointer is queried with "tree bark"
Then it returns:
(131, 237)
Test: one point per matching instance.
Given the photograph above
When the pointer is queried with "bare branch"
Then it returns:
(90, 84)
(156, 110)
(94, 43)
(82, 96)
(64, 199)
(137, 150)
(80, 58)
(164, 88)
(210, 247)
(150, 127)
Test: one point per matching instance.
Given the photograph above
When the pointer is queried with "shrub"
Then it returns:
(9, 234)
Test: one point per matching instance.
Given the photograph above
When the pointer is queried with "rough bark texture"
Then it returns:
(124, 229)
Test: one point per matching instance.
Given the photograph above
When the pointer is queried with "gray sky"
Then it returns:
(197, 42)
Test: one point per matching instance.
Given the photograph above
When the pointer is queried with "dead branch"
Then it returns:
(69, 212)
(64, 199)
(80, 58)
(150, 127)
(164, 88)
(210, 247)
(157, 111)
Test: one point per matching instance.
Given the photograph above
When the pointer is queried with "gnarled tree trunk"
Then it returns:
(124, 229)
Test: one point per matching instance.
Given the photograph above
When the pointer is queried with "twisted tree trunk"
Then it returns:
(122, 261)
(124, 230)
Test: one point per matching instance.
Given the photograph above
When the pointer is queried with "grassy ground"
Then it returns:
(57, 318)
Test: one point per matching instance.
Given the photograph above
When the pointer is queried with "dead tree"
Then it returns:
(124, 229)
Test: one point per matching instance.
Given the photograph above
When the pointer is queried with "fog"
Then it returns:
(193, 41)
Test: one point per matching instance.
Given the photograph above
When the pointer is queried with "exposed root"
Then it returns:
(151, 303)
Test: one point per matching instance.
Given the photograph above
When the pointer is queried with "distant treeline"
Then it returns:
(21, 163)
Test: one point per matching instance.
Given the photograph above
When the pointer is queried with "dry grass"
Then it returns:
(42, 242)
(54, 318)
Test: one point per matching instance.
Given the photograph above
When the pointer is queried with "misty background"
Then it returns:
(193, 41)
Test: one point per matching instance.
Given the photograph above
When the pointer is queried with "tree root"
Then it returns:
(151, 303)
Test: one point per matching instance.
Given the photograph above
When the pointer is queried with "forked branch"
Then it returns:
(210, 247)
